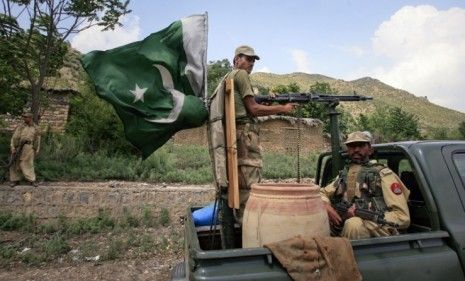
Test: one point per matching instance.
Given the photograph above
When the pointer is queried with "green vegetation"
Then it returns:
(216, 71)
(164, 217)
(279, 166)
(63, 158)
(81, 240)
(461, 129)
(34, 47)
(390, 124)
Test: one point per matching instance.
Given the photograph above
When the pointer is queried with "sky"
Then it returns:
(417, 46)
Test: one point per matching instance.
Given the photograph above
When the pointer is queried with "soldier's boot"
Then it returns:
(14, 183)
(34, 183)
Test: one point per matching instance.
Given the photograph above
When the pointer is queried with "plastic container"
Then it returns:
(204, 216)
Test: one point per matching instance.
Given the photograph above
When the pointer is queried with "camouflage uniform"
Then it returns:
(30, 136)
(366, 182)
(249, 155)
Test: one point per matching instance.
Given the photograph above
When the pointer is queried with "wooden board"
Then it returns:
(231, 146)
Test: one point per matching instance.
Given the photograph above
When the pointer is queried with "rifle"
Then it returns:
(13, 158)
(363, 213)
(309, 97)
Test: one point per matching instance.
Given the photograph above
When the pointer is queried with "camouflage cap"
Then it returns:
(358, 137)
(27, 114)
(246, 50)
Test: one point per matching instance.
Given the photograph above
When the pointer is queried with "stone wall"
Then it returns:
(53, 117)
(78, 200)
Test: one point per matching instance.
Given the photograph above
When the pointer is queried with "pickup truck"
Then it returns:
(433, 247)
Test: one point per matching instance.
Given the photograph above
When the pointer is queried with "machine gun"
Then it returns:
(331, 101)
(363, 213)
(309, 97)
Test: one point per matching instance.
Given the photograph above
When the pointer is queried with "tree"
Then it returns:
(462, 129)
(12, 97)
(216, 71)
(36, 50)
(390, 124)
(280, 89)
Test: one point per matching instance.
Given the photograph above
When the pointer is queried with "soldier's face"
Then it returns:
(245, 62)
(27, 120)
(359, 152)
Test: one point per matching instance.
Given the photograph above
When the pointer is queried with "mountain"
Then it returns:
(430, 115)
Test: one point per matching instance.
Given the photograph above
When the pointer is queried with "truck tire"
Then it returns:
(178, 273)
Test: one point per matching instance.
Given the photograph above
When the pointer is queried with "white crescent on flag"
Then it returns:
(178, 97)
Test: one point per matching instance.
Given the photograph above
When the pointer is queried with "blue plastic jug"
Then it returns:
(203, 216)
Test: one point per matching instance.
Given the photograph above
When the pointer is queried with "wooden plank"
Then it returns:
(231, 146)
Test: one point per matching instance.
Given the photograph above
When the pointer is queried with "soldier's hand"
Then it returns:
(289, 107)
(351, 211)
(333, 216)
(13, 150)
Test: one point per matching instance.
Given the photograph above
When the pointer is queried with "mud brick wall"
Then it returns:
(282, 136)
(51, 201)
(275, 136)
(191, 136)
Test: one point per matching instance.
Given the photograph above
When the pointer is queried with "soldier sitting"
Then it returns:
(368, 186)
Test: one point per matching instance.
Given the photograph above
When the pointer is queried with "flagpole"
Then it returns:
(205, 94)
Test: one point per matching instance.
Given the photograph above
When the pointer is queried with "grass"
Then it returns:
(282, 166)
(62, 159)
(81, 240)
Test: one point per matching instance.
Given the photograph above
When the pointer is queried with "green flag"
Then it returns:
(157, 85)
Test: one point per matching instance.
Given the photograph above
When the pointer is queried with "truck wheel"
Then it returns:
(178, 273)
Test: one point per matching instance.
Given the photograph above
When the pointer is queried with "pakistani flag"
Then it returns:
(157, 85)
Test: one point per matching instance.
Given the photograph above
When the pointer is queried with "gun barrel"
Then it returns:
(309, 97)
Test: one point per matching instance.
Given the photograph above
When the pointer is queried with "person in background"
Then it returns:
(24, 145)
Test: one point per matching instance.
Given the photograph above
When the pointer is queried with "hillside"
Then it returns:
(430, 115)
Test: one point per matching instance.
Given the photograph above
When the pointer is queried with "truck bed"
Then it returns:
(422, 255)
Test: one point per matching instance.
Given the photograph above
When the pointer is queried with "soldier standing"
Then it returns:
(371, 185)
(25, 145)
(247, 133)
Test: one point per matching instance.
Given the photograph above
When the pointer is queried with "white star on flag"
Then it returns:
(138, 93)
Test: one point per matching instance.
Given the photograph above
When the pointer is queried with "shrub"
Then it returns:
(147, 218)
(129, 220)
(55, 247)
(115, 250)
(164, 218)
(21, 222)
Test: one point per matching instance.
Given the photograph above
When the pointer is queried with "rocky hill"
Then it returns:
(430, 115)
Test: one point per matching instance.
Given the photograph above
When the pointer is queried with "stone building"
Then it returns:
(54, 111)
